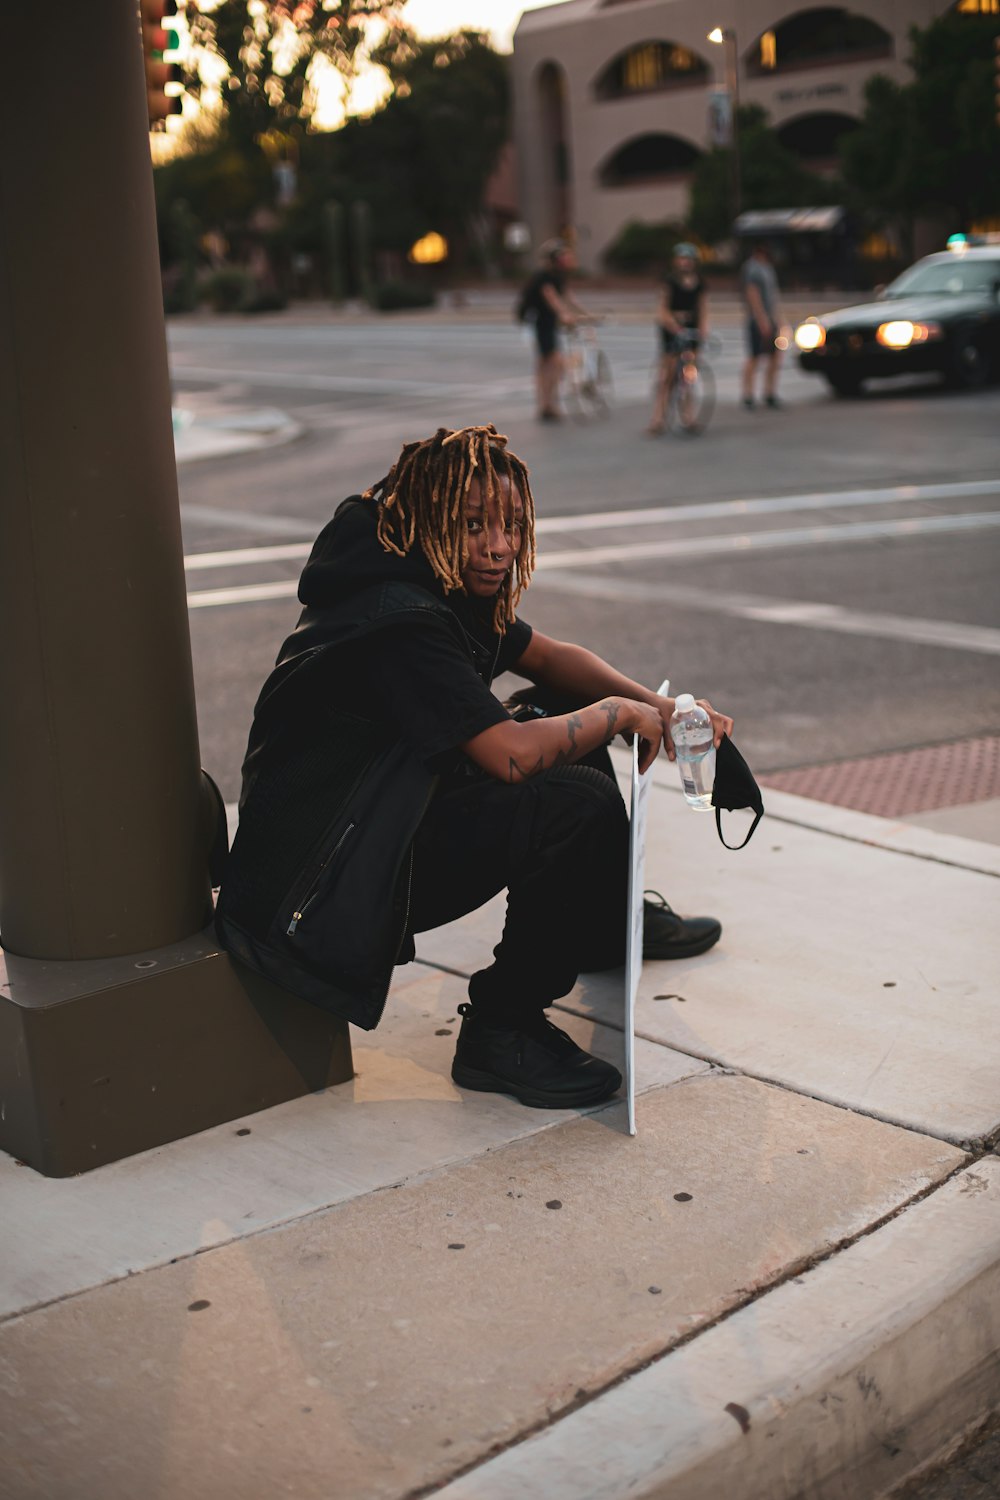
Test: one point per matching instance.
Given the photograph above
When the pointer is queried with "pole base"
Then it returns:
(103, 1058)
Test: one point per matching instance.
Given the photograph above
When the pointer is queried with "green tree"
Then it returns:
(932, 145)
(877, 160)
(771, 177)
(423, 160)
(268, 51)
(449, 117)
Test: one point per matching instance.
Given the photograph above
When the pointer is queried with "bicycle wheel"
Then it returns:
(587, 391)
(572, 392)
(692, 399)
(597, 389)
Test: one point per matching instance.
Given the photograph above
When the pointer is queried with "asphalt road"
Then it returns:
(827, 572)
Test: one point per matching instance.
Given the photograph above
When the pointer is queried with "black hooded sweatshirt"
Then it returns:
(380, 682)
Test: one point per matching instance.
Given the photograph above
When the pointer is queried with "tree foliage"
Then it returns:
(268, 50)
(428, 154)
(421, 162)
(931, 146)
(771, 177)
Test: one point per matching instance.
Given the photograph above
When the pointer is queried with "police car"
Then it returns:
(941, 315)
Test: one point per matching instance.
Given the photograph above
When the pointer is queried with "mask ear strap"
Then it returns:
(753, 825)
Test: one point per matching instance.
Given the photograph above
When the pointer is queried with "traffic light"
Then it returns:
(159, 43)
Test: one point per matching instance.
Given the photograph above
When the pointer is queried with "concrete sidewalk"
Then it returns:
(787, 1285)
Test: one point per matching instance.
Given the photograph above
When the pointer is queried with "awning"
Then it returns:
(790, 220)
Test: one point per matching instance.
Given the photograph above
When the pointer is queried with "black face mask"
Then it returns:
(734, 787)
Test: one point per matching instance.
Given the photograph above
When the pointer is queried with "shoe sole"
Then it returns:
(490, 1083)
(686, 950)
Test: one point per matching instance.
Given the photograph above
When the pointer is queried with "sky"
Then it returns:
(370, 87)
(429, 18)
(499, 17)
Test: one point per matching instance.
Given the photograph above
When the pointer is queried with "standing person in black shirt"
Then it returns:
(551, 306)
(682, 320)
(386, 790)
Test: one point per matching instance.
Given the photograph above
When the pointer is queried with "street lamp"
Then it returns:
(726, 36)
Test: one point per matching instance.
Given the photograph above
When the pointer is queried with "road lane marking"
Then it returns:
(766, 505)
(654, 515)
(824, 617)
(238, 557)
(250, 593)
(979, 639)
(761, 541)
(811, 616)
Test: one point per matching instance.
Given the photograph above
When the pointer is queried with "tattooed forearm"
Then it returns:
(564, 739)
(517, 772)
(611, 710)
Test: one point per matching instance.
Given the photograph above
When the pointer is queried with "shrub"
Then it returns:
(392, 296)
(643, 248)
(228, 290)
(265, 300)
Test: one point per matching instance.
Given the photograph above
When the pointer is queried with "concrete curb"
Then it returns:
(840, 1382)
(829, 1368)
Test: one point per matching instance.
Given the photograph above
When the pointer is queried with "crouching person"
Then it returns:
(386, 790)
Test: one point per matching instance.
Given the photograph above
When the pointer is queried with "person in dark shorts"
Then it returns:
(682, 318)
(548, 303)
(759, 285)
(386, 790)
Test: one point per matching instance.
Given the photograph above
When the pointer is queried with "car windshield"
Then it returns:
(955, 276)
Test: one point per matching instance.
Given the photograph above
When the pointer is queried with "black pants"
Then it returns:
(559, 843)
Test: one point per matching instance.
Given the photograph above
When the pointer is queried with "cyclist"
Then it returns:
(683, 319)
(547, 301)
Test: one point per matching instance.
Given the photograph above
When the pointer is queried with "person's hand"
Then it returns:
(649, 726)
(721, 723)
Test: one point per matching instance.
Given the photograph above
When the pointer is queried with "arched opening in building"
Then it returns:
(977, 7)
(649, 68)
(553, 148)
(824, 37)
(649, 159)
(815, 137)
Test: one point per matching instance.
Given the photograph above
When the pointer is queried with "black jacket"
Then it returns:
(316, 890)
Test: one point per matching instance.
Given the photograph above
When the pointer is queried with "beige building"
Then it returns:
(615, 100)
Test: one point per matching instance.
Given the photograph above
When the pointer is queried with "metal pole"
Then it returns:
(101, 837)
(734, 86)
(122, 1025)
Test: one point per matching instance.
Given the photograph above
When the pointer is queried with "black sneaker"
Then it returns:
(666, 935)
(539, 1065)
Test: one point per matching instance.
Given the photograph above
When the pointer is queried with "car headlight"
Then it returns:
(901, 334)
(810, 335)
(896, 335)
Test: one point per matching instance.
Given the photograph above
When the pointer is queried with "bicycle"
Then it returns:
(692, 396)
(587, 389)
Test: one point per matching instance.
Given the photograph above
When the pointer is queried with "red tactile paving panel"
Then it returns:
(910, 781)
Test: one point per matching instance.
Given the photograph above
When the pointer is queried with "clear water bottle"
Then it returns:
(691, 732)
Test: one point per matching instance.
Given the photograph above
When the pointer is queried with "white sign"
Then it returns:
(633, 939)
(720, 117)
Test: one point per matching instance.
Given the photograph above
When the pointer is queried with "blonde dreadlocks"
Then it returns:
(422, 499)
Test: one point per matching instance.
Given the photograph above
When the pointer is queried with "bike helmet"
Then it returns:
(553, 249)
(687, 250)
